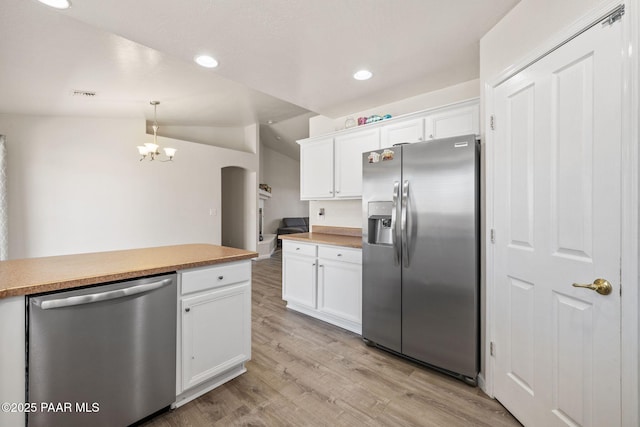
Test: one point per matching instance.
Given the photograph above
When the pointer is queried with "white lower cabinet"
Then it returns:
(214, 327)
(340, 289)
(324, 281)
(299, 274)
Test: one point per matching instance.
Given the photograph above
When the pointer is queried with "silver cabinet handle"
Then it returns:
(394, 208)
(102, 296)
(403, 223)
(339, 254)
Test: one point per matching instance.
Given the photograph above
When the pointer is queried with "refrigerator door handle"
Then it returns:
(403, 223)
(394, 238)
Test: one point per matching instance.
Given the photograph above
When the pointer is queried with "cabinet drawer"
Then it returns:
(291, 247)
(339, 253)
(201, 279)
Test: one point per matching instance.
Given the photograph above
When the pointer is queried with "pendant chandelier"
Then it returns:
(151, 150)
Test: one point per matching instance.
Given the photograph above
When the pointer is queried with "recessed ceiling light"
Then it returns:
(206, 61)
(363, 75)
(58, 4)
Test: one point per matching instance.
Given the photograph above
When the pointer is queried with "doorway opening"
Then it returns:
(238, 208)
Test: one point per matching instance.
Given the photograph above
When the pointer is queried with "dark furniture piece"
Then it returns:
(293, 225)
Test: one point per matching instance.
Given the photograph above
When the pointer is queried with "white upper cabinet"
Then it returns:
(316, 169)
(331, 166)
(453, 121)
(348, 160)
(404, 131)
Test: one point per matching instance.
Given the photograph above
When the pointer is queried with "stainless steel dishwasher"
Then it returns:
(103, 355)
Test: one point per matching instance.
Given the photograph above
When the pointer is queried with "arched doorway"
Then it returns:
(238, 210)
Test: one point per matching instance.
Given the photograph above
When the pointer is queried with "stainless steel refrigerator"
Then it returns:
(421, 253)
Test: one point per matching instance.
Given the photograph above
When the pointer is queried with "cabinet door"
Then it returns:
(348, 154)
(340, 289)
(453, 121)
(404, 131)
(316, 169)
(216, 332)
(299, 280)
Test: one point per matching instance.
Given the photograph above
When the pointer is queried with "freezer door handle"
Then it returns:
(403, 223)
(394, 208)
(102, 296)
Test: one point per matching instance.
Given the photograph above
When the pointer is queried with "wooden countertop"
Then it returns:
(338, 236)
(35, 275)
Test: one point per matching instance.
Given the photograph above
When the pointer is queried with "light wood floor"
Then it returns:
(305, 372)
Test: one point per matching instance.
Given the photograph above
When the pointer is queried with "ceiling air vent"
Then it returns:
(83, 93)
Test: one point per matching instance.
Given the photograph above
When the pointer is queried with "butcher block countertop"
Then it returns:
(36, 275)
(339, 236)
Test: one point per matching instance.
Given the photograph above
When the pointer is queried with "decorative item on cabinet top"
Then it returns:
(265, 187)
(372, 119)
(351, 122)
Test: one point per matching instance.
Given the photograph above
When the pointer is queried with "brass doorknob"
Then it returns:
(601, 286)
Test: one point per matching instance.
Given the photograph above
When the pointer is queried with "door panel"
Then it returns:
(521, 362)
(573, 359)
(572, 158)
(557, 222)
(521, 118)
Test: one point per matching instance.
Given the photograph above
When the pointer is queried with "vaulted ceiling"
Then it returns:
(279, 59)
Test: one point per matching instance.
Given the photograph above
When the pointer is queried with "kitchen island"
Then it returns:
(209, 278)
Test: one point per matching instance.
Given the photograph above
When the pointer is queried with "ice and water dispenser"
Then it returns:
(379, 222)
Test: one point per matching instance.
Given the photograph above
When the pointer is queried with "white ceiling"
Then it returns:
(278, 58)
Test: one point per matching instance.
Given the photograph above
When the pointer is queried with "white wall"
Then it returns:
(76, 185)
(348, 213)
(225, 137)
(337, 213)
(282, 173)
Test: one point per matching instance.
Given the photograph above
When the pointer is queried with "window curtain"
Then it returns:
(4, 209)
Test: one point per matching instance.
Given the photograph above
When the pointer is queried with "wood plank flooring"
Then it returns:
(305, 372)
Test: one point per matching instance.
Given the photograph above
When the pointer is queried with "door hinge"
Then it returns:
(616, 15)
(492, 122)
(493, 235)
(620, 277)
(492, 348)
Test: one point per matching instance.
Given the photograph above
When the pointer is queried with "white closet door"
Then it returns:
(557, 222)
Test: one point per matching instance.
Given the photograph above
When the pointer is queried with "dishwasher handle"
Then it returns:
(103, 296)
